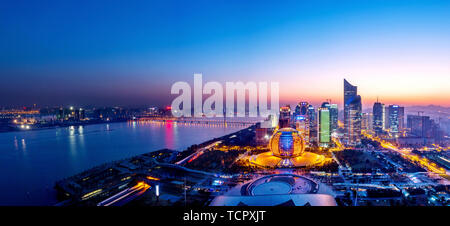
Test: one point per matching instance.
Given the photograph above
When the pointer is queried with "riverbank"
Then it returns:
(55, 126)
(31, 162)
(91, 186)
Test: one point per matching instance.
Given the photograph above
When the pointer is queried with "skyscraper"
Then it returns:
(302, 125)
(401, 118)
(333, 115)
(424, 127)
(334, 111)
(367, 121)
(301, 119)
(378, 117)
(301, 108)
(261, 135)
(285, 117)
(386, 118)
(312, 124)
(355, 114)
(332, 108)
(325, 105)
(395, 118)
(420, 126)
(324, 126)
(352, 114)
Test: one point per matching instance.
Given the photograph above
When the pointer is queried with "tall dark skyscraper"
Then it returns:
(355, 115)
(420, 126)
(352, 114)
(350, 92)
(401, 118)
(378, 117)
(424, 127)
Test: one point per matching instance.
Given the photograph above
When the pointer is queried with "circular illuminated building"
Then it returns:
(287, 149)
(287, 143)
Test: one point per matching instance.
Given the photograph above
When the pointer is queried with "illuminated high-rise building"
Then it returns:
(261, 135)
(352, 114)
(312, 120)
(302, 125)
(378, 117)
(285, 117)
(333, 115)
(301, 120)
(334, 111)
(301, 108)
(395, 118)
(324, 126)
(325, 105)
(367, 121)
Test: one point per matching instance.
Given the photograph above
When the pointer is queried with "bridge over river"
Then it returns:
(240, 121)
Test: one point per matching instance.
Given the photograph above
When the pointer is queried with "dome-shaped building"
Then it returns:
(287, 143)
(287, 149)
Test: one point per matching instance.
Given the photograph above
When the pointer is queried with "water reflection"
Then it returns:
(49, 155)
(16, 144)
(169, 135)
(24, 145)
(72, 142)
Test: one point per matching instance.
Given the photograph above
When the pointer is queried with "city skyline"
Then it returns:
(236, 103)
(64, 53)
(367, 106)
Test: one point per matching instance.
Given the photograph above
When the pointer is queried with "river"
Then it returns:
(31, 161)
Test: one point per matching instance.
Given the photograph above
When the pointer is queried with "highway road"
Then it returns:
(126, 195)
(199, 152)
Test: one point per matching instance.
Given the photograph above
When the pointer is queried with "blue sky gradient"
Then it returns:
(130, 52)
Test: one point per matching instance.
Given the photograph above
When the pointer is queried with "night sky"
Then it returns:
(131, 52)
